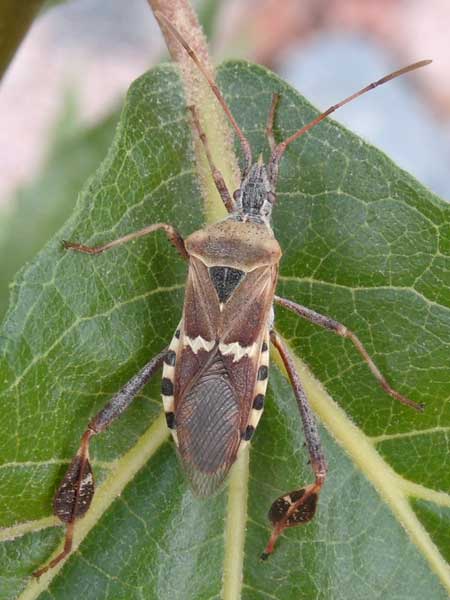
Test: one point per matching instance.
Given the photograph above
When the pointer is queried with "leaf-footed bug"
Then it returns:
(215, 369)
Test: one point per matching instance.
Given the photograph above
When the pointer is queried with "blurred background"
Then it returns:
(61, 95)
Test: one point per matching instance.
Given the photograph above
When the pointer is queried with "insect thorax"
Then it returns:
(234, 243)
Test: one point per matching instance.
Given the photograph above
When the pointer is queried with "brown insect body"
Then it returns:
(216, 367)
(219, 364)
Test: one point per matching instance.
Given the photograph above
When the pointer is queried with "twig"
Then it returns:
(15, 20)
(183, 17)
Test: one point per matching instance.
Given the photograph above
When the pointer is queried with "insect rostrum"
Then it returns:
(215, 369)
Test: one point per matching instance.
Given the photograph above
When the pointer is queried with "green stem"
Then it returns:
(182, 16)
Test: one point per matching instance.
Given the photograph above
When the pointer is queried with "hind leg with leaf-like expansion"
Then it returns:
(74, 495)
(299, 506)
(332, 325)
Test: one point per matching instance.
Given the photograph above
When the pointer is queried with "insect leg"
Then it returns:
(339, 329)
(216, 174)
(173, 235)
(75, 493)
(212, 84)
(298, 506)
(270, 120)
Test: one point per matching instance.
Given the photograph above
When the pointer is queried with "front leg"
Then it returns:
(216, 174)
(339, 329)
(74, 495)
(298, 506)
(270, 121)
(172, 234)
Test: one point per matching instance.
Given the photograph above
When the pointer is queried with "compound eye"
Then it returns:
(271, 197)
(236, 194)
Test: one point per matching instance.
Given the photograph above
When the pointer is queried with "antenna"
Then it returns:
(244, 142)
(281, 147)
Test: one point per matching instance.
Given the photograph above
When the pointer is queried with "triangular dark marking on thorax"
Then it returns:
(225, 280)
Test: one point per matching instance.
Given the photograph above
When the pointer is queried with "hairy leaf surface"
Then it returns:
(364, 243)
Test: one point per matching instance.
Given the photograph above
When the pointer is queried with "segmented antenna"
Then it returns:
(281, 147)
(244, 142)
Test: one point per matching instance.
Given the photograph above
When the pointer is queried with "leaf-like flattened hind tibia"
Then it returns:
(74, 495)
(304, 513)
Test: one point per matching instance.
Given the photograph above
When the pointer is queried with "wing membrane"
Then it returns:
(216, 370)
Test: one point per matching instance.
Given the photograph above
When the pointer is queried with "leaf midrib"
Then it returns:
(378, 472)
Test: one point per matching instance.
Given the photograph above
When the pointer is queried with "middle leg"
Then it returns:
(339, 329)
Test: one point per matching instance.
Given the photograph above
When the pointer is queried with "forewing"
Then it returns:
(201, 313)
(208, 426)
(216, 377)
(246, 314)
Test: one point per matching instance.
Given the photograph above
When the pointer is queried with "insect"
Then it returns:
(215, 369)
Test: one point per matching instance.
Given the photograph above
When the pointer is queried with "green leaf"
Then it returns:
(39, 209)
(363, 242)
